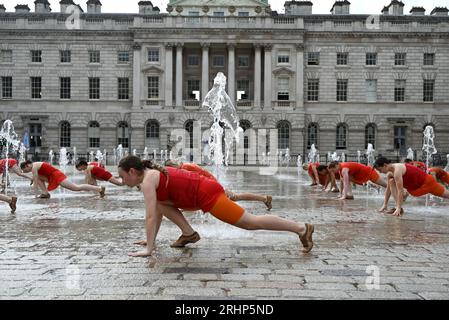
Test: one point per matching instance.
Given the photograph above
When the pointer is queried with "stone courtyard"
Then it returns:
(75, 246)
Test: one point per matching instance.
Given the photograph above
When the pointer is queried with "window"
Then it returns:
(94, 88)
(283, 57)
(152, 130)
(370, 135)
(342, 59)
(123, 134)
(243, 61)
(218, 14)
(123, 56)
(189, 128)
(243, 85)
(36, 56)
(313, 58)
(6, 87)
(371, 90)
(342, 90)
(371, 59)
(192, 85)
(400, 59)
(245, 125)
(65, 56)
(64, 134)
(94, 56)
(283, 89)
(35, 135)
(153, 87)
(153, 55)
(341, 136)
(6, 56)
(36, 87)
(65, 86)
(193, 60)
(194, 13)
(429, 59)
(399, 90)
(429, 86)
(218, 61)
(312, 135)
(283, 135)
(93, 133)
(313, 89)
(123, 88)
(243, 14)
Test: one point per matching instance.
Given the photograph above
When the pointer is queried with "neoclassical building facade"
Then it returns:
(340, 81)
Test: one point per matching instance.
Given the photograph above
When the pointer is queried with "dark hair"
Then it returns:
(24, 164)
(133, 162)
(408, 160)
(321, 168)
(333, 164)
(80, 163)
(172, 163)
(380, 162)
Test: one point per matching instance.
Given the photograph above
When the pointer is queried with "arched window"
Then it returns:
(342, 132)
(312, 135)
(64, 134)
(93, 133)
(283, 134)
(370, 135)
(152, 129)
(152, 134)
(245, 125)
(189, 128)
(123, 134)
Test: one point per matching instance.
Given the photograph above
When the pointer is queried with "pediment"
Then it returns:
(283, 70)
(152, 69)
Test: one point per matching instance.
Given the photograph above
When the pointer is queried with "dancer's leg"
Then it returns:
(252, 197)
(82, 187)
(116, 182)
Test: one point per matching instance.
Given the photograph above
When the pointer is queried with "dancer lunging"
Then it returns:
(94, 173)
(166, 190)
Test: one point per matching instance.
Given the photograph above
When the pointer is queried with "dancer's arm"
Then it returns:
(398, 173)
(345, 179)
(387, 195)
(315, 174)
(20, 174)
(152, 217)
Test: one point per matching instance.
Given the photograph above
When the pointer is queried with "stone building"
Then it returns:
(94, 80)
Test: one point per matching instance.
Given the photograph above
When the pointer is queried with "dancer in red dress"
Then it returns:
(95, 172)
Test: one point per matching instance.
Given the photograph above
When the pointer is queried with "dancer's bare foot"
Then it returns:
(12, 204)
(268, 202)
(141, 242)
(382, 209)
(102, 192)
(395, 212)
(306, 238)
(44, 196)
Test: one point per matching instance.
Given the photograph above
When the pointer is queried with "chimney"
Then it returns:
(42, 6)
(341, 7)
(65, 4)
(94, 6)
(146, 7)
(298, 7)
(22, 8)
(384, 11)
(2, 8)
(418, 11)
(439, 12)
(396, 8)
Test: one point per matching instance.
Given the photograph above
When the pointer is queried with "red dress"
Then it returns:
(196, 168)
(53, 175)
(11, 163)
(100, 173)
(96, 164)
(188, 190)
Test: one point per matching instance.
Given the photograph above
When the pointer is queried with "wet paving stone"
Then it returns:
(75, 246)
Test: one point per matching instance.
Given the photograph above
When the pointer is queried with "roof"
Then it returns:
(439, 9)
(340, 3)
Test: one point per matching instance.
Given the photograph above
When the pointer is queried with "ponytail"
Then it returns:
(133, 162)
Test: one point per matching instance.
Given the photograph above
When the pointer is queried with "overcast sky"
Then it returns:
(319, 6)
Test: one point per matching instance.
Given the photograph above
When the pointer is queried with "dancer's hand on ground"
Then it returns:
(397, 212)
(383, 209)
(341, 198)
(141, 242)
(145, 253)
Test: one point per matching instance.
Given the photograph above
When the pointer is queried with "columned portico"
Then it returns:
(179, 71)
(169, 75)
(268, 75)
(231, 71)
(137, 72)
(205, 70)
(257, 75)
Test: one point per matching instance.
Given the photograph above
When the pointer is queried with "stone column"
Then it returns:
(268, 74)
(137, 72)
(300, 76)
(205, 71)
(231, 71)
(179, 70)
(257, 75)
(169, 75)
